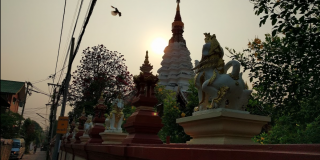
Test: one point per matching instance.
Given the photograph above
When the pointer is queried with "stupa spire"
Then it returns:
(146, 60)
(146, 67)
(176, 66)
(177, 26)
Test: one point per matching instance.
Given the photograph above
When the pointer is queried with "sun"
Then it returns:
(158, 45)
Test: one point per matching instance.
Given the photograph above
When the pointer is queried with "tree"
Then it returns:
(9, 124)
(32, 132)
(101, 72)
(193, 99)
(171, 111)
(284, 68)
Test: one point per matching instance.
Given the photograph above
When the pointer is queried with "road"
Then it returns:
(40, 155)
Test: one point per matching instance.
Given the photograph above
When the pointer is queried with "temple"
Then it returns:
(176, 66)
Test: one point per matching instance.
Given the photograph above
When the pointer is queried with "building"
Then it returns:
(176, 67)
(13, 93)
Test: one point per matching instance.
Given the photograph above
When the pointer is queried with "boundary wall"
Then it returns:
(188, 152)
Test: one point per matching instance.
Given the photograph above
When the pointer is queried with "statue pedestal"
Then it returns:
(84, 139)
(112, 137)
(222, 126)
(94, 133)
(78, 135)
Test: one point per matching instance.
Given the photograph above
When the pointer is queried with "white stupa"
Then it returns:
(176, 66)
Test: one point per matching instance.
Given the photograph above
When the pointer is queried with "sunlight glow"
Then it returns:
(158, 45)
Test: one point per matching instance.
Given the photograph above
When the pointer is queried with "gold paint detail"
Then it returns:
(237, 83)
(213, 77)
(195, 78)
(221, 93)
(214, 58)
(117, 112)
(233, 77)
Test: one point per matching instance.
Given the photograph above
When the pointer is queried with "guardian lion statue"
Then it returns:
(88, 125)
(116, 116)
(213, 84)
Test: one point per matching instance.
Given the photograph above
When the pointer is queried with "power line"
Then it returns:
(40, 80)
(74, 29)
(64, 11)
(40, 92)
(39, 89)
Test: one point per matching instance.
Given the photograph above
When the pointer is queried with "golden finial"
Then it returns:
(84, 111)
(101, 99)
(178, 7)
(146, 61)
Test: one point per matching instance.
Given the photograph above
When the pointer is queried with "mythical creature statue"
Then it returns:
(107, 122)
(75, 131)
(116, 115)
(214, 84)
(68, 131)
(88, 125)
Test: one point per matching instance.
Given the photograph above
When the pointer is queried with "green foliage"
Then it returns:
(32, 132)
(170, 114)
(193, 99)
(100, 72)
(9, 124)
(285, 70)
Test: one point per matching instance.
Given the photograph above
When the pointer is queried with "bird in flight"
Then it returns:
(116, 12)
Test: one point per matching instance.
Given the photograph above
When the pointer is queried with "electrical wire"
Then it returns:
(64, 11)
(74, 29)
(39, 89)
(69, 36)
(40, 92)
(40, 80)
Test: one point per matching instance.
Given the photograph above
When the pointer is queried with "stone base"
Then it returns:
(84, 139)
(222, 126)
(113, 137)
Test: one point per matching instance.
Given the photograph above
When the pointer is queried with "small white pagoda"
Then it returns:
(176, 66)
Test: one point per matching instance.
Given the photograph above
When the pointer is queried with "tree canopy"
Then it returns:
(101, 72)
(284, 69)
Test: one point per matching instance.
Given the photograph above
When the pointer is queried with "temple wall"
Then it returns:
(190, 152)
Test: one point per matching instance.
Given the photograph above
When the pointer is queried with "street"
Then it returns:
(40, 155)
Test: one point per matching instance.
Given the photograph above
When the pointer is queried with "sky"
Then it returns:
(30, 34)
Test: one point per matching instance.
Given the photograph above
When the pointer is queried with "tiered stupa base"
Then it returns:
(78, 135)
(143, 127)
(222, 126)
(112, 137)
(84, 139)
(94, 133)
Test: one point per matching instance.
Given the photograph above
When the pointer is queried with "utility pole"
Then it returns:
(73, 53)
(55, 106)
(65, 91)
(51, 117)
(25, 100)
